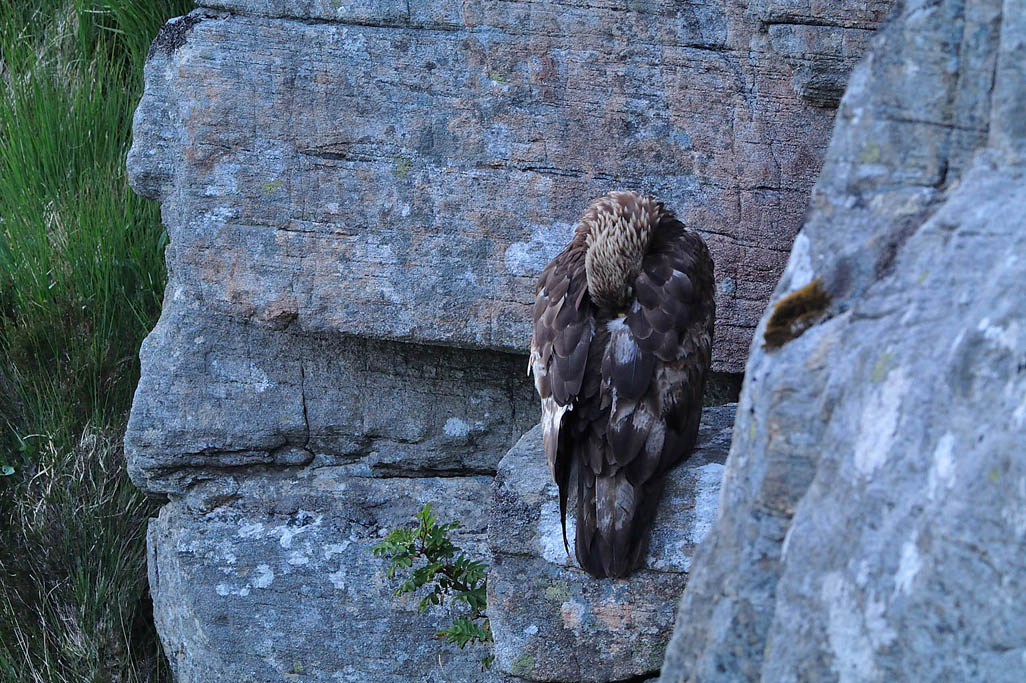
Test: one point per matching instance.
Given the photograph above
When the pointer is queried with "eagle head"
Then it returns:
(617, 229)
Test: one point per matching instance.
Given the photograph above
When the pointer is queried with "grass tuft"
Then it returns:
(75, 598)
(81, 277)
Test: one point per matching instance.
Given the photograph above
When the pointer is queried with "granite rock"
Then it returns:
(553, 622)
(217, 396)
(820, 41)
(269, 576)
(871, 526)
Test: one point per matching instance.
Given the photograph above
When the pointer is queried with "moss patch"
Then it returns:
(795, 313)
(882, 366)
(870, 153)
(401, 168)
(523, 665)
(558, 591)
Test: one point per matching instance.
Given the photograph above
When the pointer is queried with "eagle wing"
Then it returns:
(653, 365)
(563, 329)
(655, 372)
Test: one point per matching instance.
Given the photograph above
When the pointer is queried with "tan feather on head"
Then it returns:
(617, 227)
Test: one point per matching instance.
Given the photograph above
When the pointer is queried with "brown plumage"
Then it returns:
(623, 325)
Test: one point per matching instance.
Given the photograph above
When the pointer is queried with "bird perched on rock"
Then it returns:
(623, 327)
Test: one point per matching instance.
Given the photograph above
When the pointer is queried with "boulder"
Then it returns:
(554, 622)
(269, 577)
(220, 395)
(871, 526)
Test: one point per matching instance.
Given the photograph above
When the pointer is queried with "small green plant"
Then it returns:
(446, 571)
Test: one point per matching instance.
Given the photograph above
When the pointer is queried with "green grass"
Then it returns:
(81, 278)
(75, 601)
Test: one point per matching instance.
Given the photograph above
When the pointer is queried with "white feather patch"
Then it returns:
(605, 515)
(616, 324)
(552, 418)
(540, 370)
(625, 350)
(679, 275)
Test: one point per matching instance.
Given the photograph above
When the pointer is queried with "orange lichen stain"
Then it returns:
(571, 612)
(795, 313)
(622, 620)
(621, 615)
(238, 288)
(615, 616)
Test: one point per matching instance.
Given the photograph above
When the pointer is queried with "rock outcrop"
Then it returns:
(270, 575)
(358, 198)
(873, 519)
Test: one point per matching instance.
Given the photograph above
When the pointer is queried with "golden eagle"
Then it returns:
(623, 327)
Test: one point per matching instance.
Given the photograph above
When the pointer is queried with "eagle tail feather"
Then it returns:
(586, 545)
(613, 520)
(561, 473)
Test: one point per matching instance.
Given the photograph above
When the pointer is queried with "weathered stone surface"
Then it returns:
(402, 171)
(553, 622)
(872, 526)
(269, 577)
(820, 41)
(219, 394)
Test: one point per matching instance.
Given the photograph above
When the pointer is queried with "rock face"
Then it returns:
(820, 41)
(358, 198)
(552, 622)
(872, 523)
(219, 393)
(269, 577)
(387, 172)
